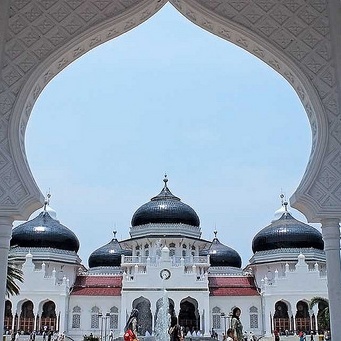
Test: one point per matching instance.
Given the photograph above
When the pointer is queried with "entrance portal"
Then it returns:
(189, 315)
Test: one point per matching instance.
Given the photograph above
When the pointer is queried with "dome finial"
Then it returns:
(114, 232)
(215, 233)
(282, 196)
(285, 206)
(165, 179)
(47, 200)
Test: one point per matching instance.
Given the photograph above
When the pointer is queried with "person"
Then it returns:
(174, 330)
(302, 336)
(130, 329)
(311, 336)
(236, 325)
(276, 334)
(229, 334)
(111, 335)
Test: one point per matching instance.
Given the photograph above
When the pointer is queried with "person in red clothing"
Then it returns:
(276, 334)
(130, 330)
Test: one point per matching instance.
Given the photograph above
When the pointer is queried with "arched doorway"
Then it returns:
(302, 317)
(189, 317)
(48, 320)
(8, 316)
(322, 317)
(26, 319)
(281, 319)
(144, 319)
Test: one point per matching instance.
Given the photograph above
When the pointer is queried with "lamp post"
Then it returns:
(224, 316)
(104, 322)
(230, 318)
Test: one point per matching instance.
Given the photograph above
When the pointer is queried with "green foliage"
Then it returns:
(323, 318)
(13, 274)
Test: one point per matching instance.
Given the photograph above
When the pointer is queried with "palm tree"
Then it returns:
(13, 274)
(323, 318)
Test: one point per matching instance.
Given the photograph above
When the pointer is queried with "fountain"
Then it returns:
(162, 319)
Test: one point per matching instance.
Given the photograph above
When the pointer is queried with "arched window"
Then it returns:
(146, 250)
(76, 317)
(113, 318)
(253, 317)
(184, 250)
(172, 249)
(216, 318)
(94, 318)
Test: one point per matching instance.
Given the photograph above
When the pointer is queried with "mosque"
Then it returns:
(165, 255)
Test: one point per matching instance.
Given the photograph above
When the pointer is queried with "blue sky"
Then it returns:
(168, 97)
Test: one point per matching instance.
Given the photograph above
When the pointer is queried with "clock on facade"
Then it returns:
(165, 274)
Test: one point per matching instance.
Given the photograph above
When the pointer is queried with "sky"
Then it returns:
(167, 96)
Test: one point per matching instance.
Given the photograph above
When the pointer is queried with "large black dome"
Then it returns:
(44, 231)
(165, 208)
(222, 255)
(287, 232)
(108, 255)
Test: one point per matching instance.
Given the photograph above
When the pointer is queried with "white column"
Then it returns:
(331, 238)
(5, 237)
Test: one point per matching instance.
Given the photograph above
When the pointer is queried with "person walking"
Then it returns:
(130, 329)
(236, 324)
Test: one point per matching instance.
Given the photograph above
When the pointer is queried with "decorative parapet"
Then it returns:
(165, 229)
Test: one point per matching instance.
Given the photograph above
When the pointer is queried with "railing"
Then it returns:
(175, 260)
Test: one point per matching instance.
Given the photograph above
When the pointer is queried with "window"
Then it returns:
(113, 318)
(216, 318)
(253, 317)
(146, 250)
(94, 318)
(76, 317)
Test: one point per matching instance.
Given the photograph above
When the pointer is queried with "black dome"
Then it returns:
(222, 255)
(165, 208)
(44, 231)
(108, 255)
(287, 232)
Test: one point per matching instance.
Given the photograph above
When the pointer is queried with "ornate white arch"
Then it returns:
(300, 39)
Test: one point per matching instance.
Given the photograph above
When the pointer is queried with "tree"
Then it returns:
(323, 318)
(13, 274)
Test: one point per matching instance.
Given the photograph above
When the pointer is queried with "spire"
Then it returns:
(283, 209)
(47, 208)
(47, 200)
(165, 192)
(282, 197)
(165, 180)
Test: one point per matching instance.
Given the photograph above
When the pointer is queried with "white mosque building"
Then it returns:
(203, 279)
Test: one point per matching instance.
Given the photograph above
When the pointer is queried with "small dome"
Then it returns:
(222, 255)
(165, 208)
(44, 231)
(287, 232)
(108, 255)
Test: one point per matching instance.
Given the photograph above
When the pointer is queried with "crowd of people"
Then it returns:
(47, 335)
